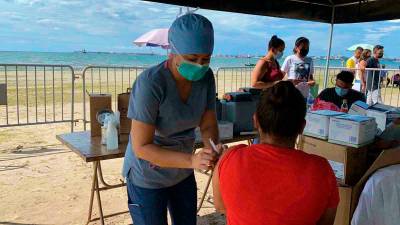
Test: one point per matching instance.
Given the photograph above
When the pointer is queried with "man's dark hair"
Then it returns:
(378, 47)
(345, 76)
(359, 49)
(275, 42)
(281, 110)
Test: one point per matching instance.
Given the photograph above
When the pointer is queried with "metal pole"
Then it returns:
(329, 49)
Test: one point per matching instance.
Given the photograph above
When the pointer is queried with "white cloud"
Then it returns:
(375, 35)
(394, 21)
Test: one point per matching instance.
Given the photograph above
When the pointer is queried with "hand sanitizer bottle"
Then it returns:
(112, 134)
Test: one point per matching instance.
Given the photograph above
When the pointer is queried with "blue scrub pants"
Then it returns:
(149, 206)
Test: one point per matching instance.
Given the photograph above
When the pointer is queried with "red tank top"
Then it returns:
(264, 184)
(273, 73)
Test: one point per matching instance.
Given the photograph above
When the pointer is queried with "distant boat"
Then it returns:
(84, 51)
(250, 64)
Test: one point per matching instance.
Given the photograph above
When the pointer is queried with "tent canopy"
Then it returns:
(346, 11)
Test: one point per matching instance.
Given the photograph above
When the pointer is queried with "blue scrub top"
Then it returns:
(155, 100)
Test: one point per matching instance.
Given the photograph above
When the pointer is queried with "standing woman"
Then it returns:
(267, 71)
(299, 68)
(167, 103)
(366, 54)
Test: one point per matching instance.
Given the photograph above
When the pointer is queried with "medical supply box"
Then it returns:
(352, 130)
(383, 115)
(359, 108)
(317, 124)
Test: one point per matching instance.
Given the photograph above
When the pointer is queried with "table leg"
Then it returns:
(92, 191)
(104, 183)
(99, 199)
(209, 181)
(205, 191)
(95, 188)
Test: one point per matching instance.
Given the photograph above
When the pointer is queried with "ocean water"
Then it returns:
(79, 60)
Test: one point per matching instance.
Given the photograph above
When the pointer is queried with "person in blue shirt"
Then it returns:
(167, 103)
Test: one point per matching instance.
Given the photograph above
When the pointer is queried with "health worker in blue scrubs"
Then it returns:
(167, 102)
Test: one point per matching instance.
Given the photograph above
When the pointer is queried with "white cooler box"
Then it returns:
(225, 129)
(318, 123)
(352, 130)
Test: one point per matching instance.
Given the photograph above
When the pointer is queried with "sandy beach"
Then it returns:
(43, 182)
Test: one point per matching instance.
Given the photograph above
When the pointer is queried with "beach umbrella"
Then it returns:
(154, 38)
(364, 46)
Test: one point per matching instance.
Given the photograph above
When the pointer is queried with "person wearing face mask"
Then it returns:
(342, 91)
(373, 77)
(267, 71)
(353, 64)
(299, 68)
(366, 54)
(168, 101)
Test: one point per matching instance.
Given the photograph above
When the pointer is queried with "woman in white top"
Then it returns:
(299, 68)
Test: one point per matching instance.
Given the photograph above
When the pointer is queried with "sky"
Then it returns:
(112, 25)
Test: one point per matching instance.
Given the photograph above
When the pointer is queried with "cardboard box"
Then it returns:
(3, 94)
(124, 121)
(343, 209)
(348, 163)
(359, 108)
(98, 102)
(318, 123)
(225, 129)
(352, 130)
(383, 115)
(349, 195)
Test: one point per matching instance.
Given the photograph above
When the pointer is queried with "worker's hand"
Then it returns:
(204, 159)
(221, 149)
(363, 88)
(297, 81)
(311, 83)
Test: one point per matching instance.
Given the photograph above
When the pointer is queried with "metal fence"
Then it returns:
(228, 79)
(232, 78)
(37, 94)
(42, 94)
(106, 80)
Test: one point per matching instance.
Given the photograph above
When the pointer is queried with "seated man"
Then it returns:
(271, 182)
(380, 199)
(342, 91)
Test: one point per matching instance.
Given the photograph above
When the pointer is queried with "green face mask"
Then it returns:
(192, 71)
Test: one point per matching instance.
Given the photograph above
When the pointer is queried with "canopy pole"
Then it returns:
(328, 58)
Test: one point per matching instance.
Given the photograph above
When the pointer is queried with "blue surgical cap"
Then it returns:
(191, 34)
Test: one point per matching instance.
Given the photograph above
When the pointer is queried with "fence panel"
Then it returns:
(37, 94)
(230, 79)
(106, 80)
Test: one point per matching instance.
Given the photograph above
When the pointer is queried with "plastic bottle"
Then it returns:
(345, 107)
(112, 134)
(104, 131)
